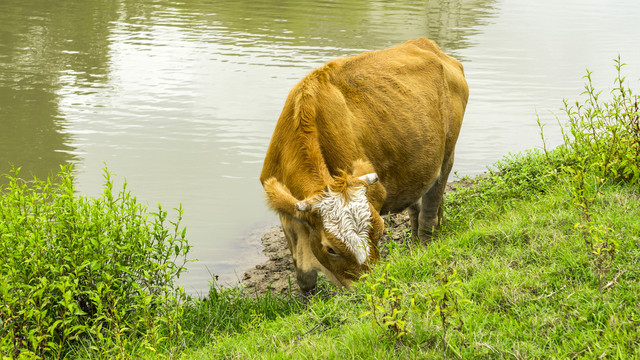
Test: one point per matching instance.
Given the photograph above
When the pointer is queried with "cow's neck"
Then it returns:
(314, 177)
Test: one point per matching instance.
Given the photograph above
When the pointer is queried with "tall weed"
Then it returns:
(602, 142)
(601, 146)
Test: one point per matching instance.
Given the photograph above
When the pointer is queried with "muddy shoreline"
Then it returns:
(277, 274)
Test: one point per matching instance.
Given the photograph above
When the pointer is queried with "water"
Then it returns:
(180, 98)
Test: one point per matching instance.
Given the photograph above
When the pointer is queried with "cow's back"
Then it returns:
(406, 105)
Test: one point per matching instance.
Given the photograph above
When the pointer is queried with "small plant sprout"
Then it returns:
(386, 306)
(446, 298)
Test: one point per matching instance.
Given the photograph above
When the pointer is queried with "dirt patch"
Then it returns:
(277, 273)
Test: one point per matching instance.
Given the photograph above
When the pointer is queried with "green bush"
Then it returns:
(602, 140)
(78, 272)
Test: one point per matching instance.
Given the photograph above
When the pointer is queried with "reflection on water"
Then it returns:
(180, 98)
(41, 46)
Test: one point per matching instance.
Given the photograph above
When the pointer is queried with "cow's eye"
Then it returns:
(330, 250)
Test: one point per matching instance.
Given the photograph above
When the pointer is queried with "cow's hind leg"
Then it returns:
(414, 215)
(431, 211)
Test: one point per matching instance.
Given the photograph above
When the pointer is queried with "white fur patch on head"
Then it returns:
(348, 220)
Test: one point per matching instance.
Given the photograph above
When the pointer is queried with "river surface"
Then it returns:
(180, 97)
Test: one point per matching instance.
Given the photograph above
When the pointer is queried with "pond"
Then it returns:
(180, 97)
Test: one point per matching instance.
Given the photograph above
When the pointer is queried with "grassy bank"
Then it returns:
(516, 277)
(537, 260)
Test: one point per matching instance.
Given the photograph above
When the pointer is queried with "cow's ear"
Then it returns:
(279, 198)
(376, 193)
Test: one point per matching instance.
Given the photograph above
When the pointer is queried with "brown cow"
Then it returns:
(392, 115)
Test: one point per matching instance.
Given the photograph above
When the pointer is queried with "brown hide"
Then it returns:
(396, 112)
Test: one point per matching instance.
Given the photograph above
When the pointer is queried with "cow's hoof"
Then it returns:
(425, 236)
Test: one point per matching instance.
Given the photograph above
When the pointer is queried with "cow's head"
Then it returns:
(339, 224)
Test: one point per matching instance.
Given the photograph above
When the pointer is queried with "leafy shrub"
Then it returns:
(80, 272)
(602, 143)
